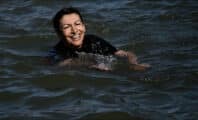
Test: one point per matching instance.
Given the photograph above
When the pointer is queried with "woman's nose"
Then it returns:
(73, 29)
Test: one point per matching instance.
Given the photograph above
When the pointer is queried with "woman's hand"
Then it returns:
(101, 66)
(65, 62)
(132, 58)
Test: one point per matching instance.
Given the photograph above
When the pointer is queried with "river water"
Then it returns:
(163, 33)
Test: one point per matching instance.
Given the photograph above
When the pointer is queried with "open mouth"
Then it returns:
(75, 37)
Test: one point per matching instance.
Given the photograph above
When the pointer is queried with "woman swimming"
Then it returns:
(70, 28)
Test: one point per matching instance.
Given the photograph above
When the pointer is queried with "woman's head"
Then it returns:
(69, 26)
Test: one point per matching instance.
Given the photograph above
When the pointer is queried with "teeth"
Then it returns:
(76, 36)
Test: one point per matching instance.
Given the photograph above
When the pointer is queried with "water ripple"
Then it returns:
(162, 33)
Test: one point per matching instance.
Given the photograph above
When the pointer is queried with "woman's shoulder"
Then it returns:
(90, 35)
(93, 38)
(59, 45)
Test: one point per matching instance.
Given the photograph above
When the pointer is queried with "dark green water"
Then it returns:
(163, 33)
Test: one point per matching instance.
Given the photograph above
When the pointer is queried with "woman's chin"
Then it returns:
(77, 45)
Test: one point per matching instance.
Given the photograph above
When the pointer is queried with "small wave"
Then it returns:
(18, 53)
(112, 115)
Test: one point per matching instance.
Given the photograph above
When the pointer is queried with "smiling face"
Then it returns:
(73, 29)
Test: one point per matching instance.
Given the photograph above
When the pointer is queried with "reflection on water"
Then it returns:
(162, 33)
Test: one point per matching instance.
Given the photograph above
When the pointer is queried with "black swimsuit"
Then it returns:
(91, 44)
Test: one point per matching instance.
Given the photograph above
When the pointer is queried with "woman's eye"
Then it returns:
(78, 23)
(66, 26)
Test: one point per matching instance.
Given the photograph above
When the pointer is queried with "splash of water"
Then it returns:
(96, 60)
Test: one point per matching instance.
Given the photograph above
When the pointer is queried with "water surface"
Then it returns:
(163, 33)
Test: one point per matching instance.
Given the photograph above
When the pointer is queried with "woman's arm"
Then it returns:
(132, 58)
(65, 62)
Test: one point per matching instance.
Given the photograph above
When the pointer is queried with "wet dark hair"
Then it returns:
(60, 14)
